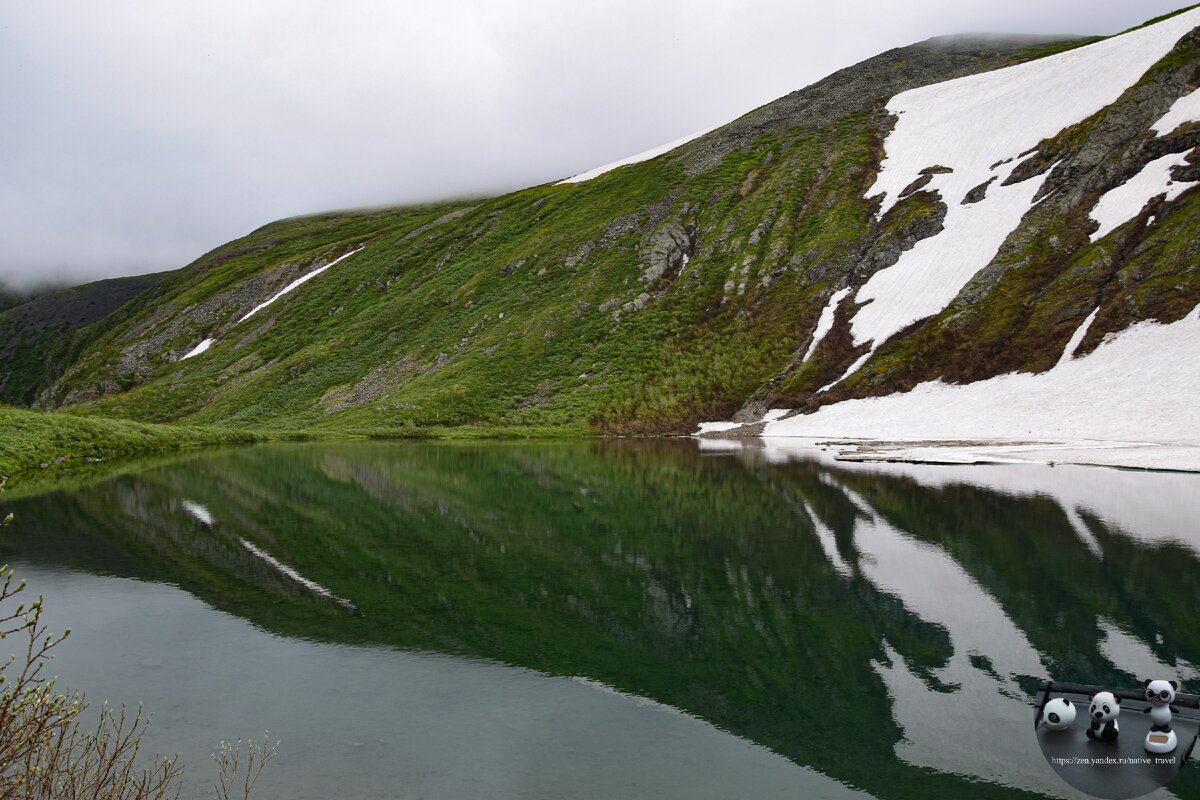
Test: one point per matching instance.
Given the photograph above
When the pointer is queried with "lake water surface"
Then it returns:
(611, 619)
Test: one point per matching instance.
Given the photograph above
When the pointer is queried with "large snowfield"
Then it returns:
(1134, 400)
(1133, 390)
(971, 125)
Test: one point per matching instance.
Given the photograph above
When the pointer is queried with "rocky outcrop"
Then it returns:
(666, 251)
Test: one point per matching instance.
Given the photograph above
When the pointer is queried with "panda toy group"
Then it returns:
(1104, 710)
(1160, 695)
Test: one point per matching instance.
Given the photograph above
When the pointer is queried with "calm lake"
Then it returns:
(610, 619)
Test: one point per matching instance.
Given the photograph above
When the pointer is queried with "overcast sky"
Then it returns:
(135, 136)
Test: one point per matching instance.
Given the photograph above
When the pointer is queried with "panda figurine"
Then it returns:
(1105, 709)
(1058, 715)
(1160, 694)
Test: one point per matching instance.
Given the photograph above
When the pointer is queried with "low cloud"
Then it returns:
(139, 135)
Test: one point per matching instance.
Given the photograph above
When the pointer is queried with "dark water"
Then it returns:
(608, 619)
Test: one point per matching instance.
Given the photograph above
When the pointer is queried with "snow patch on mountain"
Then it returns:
(1185, 109)
(970, 124)
(207, 343)
(1134, 387)
(296, 283)
(931, 274)
(850, 370)
(825, 321)
(717, 427)
(645, 155)
(198, 349)
(1124, 202)
(1077, 337)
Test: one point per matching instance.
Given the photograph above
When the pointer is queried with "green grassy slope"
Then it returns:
(657, 295)
(40, 337)
(31, 439)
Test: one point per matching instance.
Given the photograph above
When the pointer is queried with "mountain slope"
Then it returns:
(40, 338)
(924, 215)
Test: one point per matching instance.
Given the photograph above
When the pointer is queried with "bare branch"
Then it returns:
(47, 754)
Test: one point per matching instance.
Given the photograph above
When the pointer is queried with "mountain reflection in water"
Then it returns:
(884, 625)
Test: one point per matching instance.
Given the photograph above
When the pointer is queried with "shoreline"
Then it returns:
(1147, 456)
(42, 443)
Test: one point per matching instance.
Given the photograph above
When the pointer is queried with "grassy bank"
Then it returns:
(35, 440)
(31, 439)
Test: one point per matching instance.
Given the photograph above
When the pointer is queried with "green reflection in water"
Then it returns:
(882, 625)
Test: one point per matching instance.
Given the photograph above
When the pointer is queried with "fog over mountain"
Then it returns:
(138, 135)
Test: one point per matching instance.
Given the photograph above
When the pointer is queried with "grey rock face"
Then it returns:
(923, 181)
(978, 193)
(885, 249)
(665, 250)
(442, 220)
